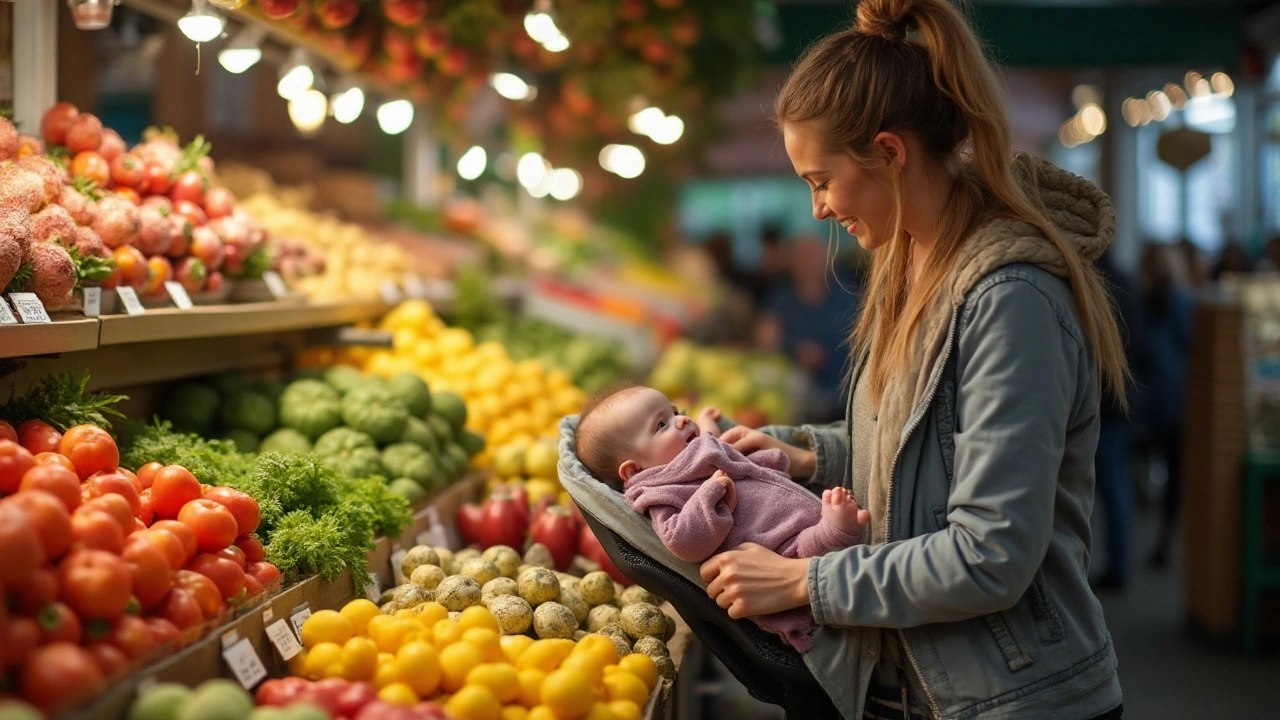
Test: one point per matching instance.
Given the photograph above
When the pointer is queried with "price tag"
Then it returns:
(129, 297)
(390, 292)
(243, 661)
(373, 591)
(275, 284)
(92, 302)
(6, 315)
(178, 295)
(414, 287)
(436, 531)
(30, 309)
(397, 559)
(299, 616)
(283, 638)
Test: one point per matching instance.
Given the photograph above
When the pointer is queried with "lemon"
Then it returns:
(298, 665)
(326, 626)
(359, 612)
(642, 666)
(319, 658)
(513, 646)
(568, 693)
(359, 659)
(586, 664)
(390, 635)
(430, 613)
(474, 702)
(456, 661)
(625, 710)
(545, 655)
(418, 666)
(541, 712)
(386, 674)
(623, 685)
(531, 686)
(599, 647)
(501, 678)
(478, 616)
(487, 642)
(446, 632)
(514, 712)
(540, 460)
(600, 711)
(397, 693)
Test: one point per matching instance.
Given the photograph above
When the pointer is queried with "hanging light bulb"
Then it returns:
(557, 44)
(395, 117)
(244, 51)
(531, 170)
(201, 24)
(92, 14)
(471, 164)
(669, 131)
(307, 111)
(623, 160)
(296, 75)
(347, 102)
(510, 86)
(540, 23)
(564, 183)
(646, 121)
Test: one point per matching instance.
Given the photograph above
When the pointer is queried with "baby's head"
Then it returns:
(627, 429)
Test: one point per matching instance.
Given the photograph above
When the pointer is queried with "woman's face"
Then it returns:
(842, 190)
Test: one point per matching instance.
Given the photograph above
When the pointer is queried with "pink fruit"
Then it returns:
(84, 133)
(192, 273)
(89, 244)
(112, 145)
(29, 145)
(15, 224)
(20, 189)
(215, 282)
(277, 9)
(10, 260)
(155, 232)
(51, 176)
(180, 238)
(82, 208)
(219, 202)
(54, 275)
(206, 245)
(159, 202)
(118, 221)
(8, 139)
(54, 224)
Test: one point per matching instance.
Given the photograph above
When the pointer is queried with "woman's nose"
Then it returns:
(820, 210)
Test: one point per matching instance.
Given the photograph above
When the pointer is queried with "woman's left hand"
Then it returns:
(751, 580)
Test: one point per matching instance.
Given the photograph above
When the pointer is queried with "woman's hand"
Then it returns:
(748, 440)
(751, 580)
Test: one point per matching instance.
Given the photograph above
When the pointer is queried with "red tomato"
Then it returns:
(203, 589)
(252, 547)
(57, 458)
(264, 572)
(84, 133)
(50, 518)
(7, 432)
(228, 576)
(129, 194)
(20, 636)
(181, 609)
(40, 590)
(168, 544)
(190, 212)
(157, 179)
(281, 692)
(112, 145)
(15, 461)
(133, 636)
(147, 474)
(557, 529)
(146, 513)
(60, 675)
(252, 588)
(133, 478)
(213, 524)
(59, 624)
(219, 202)
(90, 165)
(189, 186)
(173, 487)
(110, 658)
(56, 120)
(114, 484)
(39, 436)
(128, 170)
(55, 480)
(242, 506)
(95, 528)
(96, 584)
(164, 632)
(90, 449)
(184, 535)
(234, 554)
(20, 546)
(150, 570)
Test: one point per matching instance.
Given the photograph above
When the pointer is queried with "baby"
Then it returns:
(704, 497)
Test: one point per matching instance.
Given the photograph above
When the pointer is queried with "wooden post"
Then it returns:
(421, 162)
(35, 61)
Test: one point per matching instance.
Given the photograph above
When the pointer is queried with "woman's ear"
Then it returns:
(892, 148)
(627, 470)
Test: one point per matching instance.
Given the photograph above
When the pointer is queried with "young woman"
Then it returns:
(984, 344)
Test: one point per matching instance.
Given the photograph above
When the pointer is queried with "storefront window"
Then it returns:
(1270, 154)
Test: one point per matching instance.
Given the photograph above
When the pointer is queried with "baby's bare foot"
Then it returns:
(841, 509)
(708, 421)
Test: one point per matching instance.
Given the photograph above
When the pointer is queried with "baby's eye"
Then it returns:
(662, 424)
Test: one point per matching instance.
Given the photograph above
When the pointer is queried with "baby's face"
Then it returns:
(655, 430)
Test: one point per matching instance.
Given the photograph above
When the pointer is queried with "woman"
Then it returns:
(983, 346)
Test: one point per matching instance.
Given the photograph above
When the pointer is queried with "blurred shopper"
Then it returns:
(1111, 462)
(978, 358)
(772, 270)
(1167, 310)
(808, 316)
(1195, 269)
(1232, 260)
(730, 314)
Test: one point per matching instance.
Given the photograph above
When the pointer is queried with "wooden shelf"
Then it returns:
(62, 335)
(227, 320)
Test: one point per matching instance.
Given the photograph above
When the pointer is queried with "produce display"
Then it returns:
(79, 208)
(750, 388)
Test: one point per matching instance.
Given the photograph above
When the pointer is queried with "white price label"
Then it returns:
(414, 286)
(436, 530)
(390, 292)
(275, 284)
(244, 663)
(30, 309)
(129, 297)
(6, 315)
(299, 616)
(397, 559)
(92, 302)
(373, 590)
(283, 638)
(178, 295)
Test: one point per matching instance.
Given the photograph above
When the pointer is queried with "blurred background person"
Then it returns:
(1232, 260)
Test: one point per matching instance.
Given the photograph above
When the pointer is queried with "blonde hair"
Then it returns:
(915, 66)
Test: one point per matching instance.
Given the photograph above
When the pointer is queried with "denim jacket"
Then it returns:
(982, 572)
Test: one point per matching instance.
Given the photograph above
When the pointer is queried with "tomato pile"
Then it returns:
(103, 567)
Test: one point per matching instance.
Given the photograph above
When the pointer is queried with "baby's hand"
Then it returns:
(730, 489)
(709, 421)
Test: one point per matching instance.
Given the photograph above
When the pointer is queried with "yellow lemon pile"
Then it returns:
(474, 673)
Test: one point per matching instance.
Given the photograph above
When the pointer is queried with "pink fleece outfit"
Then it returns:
(689, 514)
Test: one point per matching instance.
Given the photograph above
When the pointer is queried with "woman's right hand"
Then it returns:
(748, 440)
